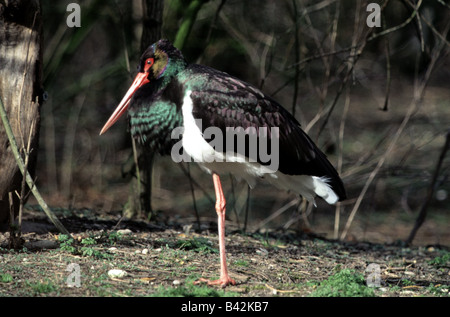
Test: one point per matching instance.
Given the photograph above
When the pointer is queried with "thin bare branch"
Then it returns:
(431, 188)
(398, 27)
(436, 32)
(417, 99)
(30, 182)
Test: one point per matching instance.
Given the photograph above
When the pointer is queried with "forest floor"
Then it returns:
(164, 259)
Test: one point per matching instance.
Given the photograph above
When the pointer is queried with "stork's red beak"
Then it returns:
(141, 79)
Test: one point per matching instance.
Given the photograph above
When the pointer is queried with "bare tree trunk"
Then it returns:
(152, 22)
(20, 90)
(152, 16)
(139, 199)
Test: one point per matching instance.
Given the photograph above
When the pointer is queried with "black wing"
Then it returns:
(224, 101)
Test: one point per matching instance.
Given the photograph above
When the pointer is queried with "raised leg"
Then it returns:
(224, 279)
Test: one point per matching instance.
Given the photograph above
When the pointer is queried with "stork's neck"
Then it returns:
(173, 67)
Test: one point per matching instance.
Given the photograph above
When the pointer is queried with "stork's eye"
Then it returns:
(149, 63)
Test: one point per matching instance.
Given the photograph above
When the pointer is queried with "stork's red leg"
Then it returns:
(224, 279)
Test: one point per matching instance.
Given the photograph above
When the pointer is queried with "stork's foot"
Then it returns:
(223, 281)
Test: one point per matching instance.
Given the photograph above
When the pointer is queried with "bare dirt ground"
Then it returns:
(163, 259)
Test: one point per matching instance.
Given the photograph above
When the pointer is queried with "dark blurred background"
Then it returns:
(349, 85)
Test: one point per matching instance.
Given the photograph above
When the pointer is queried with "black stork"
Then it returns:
(168, 94)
